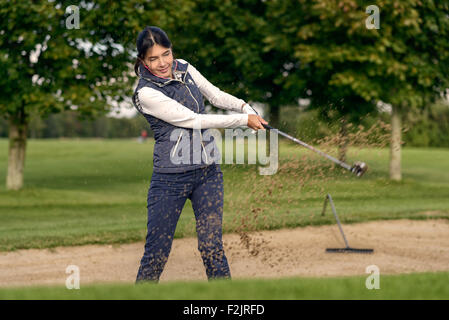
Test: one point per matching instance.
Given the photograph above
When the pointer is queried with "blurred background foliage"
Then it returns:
(427, 127)
(57, 81)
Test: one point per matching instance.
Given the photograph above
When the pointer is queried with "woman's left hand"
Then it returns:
(255, 122)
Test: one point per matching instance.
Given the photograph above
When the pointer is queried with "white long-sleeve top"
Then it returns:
(157, 104)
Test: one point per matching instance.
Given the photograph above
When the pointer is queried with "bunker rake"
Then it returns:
(348, 249)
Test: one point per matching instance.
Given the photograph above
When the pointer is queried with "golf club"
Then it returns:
(358, 168)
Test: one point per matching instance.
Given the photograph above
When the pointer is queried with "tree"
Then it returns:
(225, 40)
(404, 63)
(48, 64)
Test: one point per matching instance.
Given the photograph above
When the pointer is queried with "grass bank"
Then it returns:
(426, 286)
(94, 191)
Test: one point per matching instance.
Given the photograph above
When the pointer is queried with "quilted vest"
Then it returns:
(167, 136)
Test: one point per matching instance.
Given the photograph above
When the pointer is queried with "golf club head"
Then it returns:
(359, 168)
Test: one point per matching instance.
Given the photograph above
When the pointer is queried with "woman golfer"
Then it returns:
(169, 95)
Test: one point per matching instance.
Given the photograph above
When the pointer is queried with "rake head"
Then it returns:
(349, 250)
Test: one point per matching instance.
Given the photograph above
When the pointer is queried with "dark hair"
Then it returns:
(146, 39)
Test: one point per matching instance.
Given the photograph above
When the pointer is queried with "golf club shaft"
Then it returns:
(341, 163)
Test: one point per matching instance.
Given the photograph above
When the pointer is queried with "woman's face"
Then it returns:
(159, 60)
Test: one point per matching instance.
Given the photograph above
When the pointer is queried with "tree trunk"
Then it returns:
(273, 116)
(395, 145)
(17, 147)
(343, 143)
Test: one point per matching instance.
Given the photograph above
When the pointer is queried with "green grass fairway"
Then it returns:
(94, 191)
(411, 286)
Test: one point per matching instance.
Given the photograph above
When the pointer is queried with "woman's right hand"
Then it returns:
(255, 122)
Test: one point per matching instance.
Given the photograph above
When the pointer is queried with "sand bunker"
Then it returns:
(401, 246)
